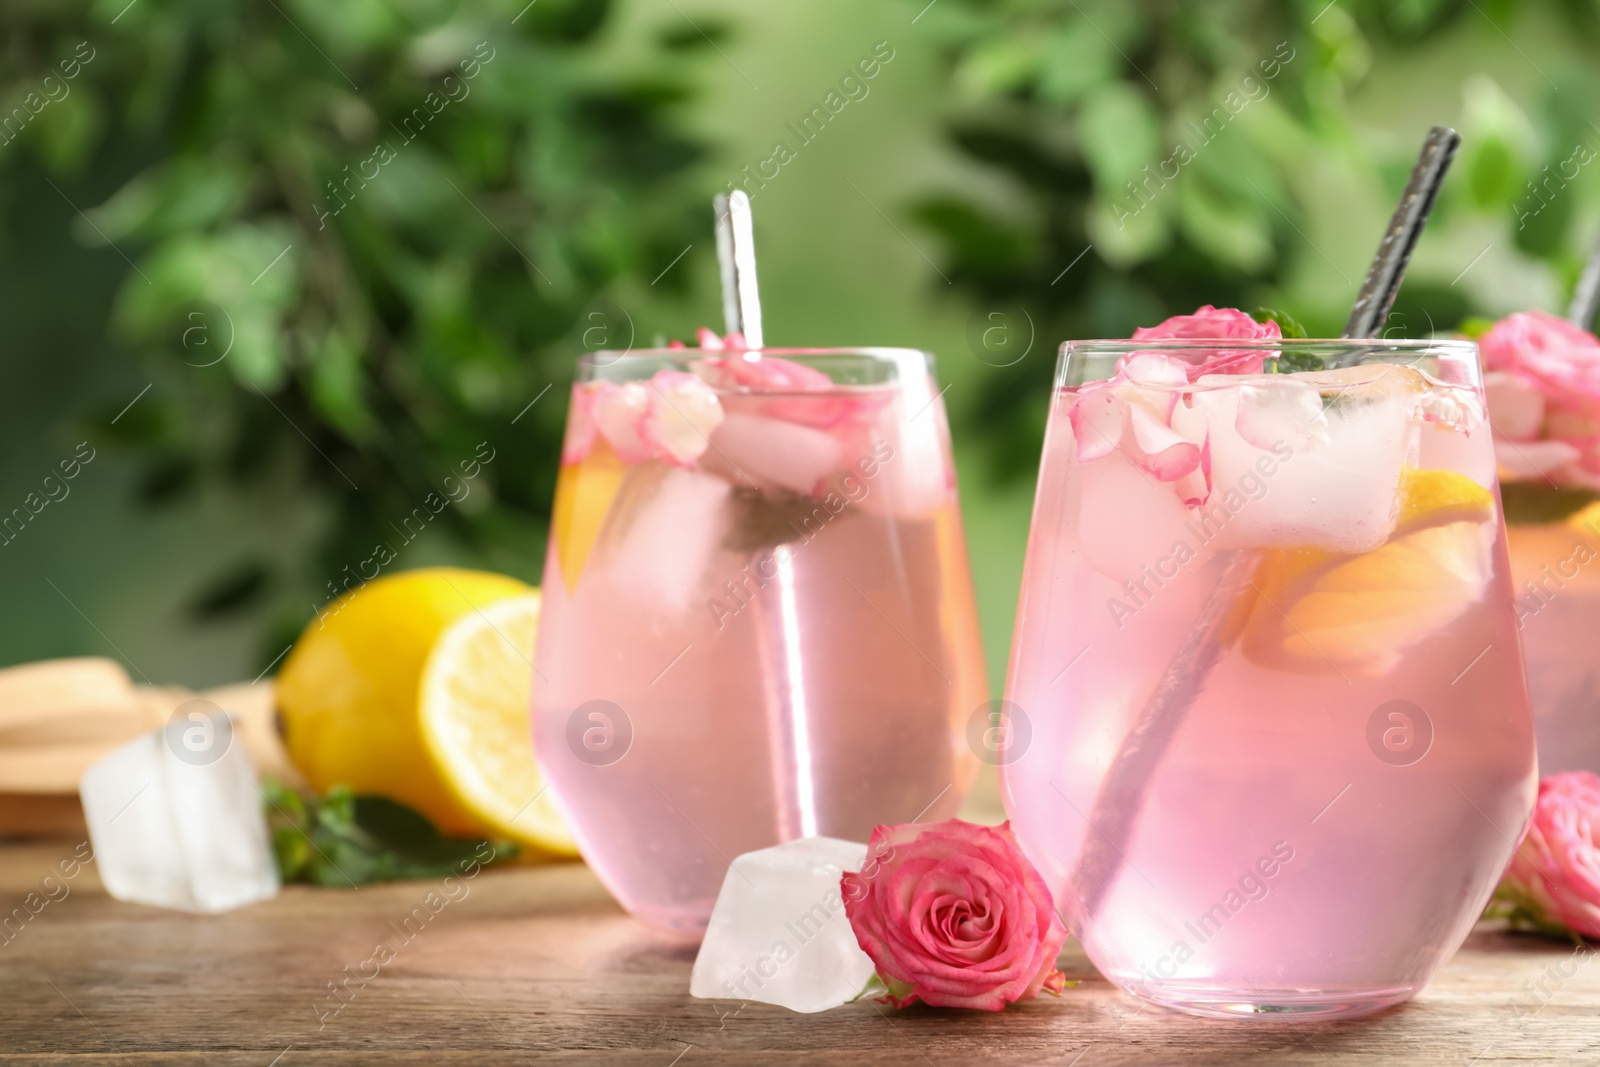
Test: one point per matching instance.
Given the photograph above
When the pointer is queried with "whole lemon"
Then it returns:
(416, 687)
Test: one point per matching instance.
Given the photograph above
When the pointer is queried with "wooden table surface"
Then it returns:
(537, 964)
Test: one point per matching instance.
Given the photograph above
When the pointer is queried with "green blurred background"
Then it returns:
(166, 199)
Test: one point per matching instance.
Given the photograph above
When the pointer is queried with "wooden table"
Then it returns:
(537, 964)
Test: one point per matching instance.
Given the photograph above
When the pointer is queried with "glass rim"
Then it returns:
(1400, 344)
(881, 352)
(848, 368)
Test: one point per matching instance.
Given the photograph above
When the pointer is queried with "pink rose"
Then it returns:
(955, 916)
(1555, 874)
(1210, 324)
(1133, 409)
(1542, 383)
(1217, 324)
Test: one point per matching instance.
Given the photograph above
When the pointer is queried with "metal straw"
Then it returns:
(1586, 296)
(736, 252)
(1394, 251)
(1127, 783)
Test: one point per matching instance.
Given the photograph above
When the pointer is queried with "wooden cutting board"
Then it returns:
(58, 717)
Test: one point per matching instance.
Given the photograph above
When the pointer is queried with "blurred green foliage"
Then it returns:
(1208, 154)
(362, 236)
(481, 228)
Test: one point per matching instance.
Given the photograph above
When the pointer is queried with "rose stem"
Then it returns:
(736, 252)
(1587, 295)
(781, 664)
(1122, 794)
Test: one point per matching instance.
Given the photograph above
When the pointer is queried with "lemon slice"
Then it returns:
(474, 716)
(1319, 612)
(584, 493)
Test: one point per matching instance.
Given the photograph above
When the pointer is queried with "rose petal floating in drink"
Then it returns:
(617, 409)
(670, 418)
(681, 416)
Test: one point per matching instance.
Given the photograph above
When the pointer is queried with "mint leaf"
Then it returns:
(1285, 322)
(345, 840)
(1532, 503)
(1294, 362)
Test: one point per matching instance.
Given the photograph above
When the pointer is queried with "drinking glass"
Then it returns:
(1279, 743)
(758, 617)
(1558, 608)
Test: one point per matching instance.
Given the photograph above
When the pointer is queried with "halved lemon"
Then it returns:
(416, 687)
(1320, 612)
(474, 715)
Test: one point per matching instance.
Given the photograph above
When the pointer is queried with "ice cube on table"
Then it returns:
(175, 818)
(779, 934)
(1285, 474)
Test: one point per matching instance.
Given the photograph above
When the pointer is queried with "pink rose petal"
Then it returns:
(1210, 324)
(617, 410)
(1162, 452)
(1521, 460)
(1555, 871)
(1097, 415)
(681, 416)
(1516, 406)
(956, 914)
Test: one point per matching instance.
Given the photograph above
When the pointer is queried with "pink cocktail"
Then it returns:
(1279, 741)
(758, 616)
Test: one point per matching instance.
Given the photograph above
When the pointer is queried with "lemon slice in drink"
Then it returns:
(1319, 612)
(584, 493)
(473, 709)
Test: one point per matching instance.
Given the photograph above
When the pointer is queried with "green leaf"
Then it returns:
(1285, 322)
(1475, 327)
(1533, 503)
(345, 840)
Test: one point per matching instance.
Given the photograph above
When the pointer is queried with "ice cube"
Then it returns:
(1130, 522)
(771, 453)
(908, 441)
(779, 934)
(175, 817)
(1324, 475)
(660, 534)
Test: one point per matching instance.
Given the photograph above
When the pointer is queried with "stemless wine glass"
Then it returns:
(758, 615)
(1558, 605)
(1280, 744)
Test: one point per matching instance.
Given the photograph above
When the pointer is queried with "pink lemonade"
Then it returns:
(758, 616)
(1281, 743)
(1555, 570)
